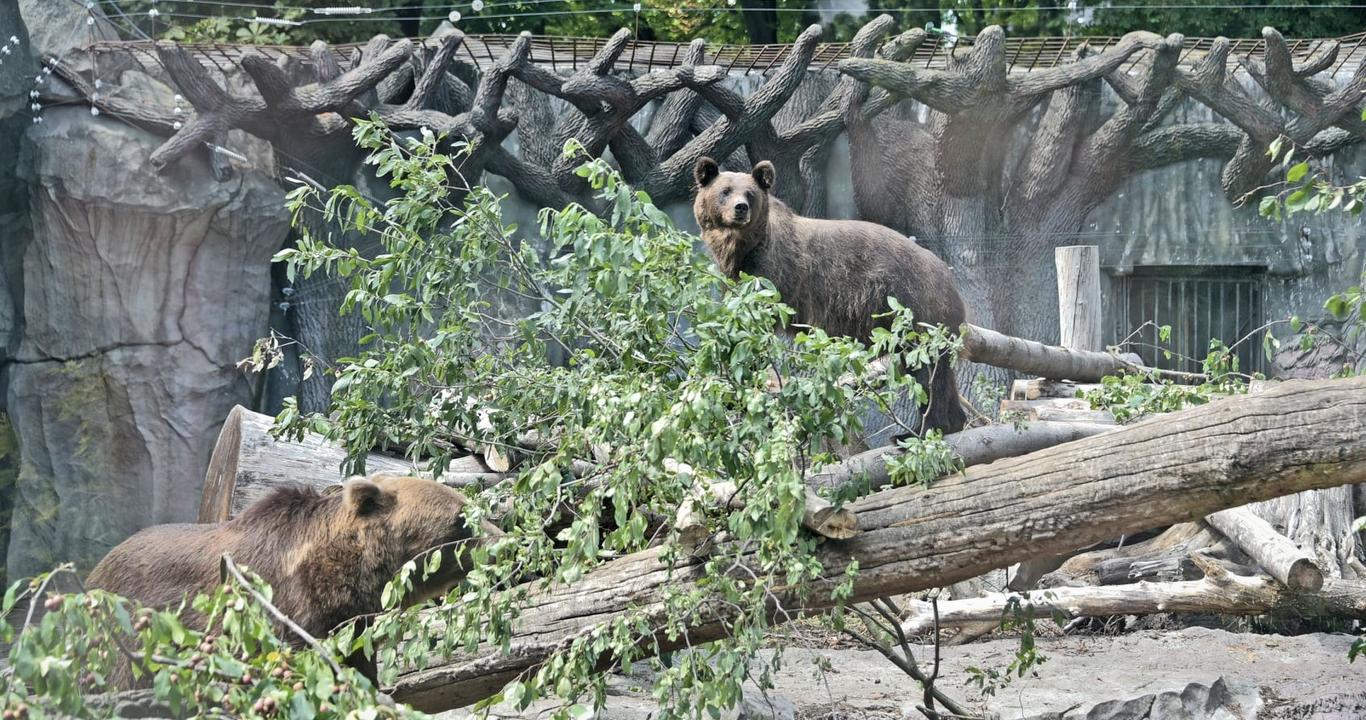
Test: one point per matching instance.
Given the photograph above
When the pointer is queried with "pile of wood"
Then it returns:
(1181, 468)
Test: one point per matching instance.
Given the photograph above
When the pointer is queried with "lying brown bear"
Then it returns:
(327, 556)
(836, 274)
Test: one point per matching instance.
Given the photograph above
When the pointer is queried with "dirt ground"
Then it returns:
(1255, 677)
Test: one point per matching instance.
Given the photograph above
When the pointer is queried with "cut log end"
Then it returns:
(1305, 576)
(220, 481)
(840, 524)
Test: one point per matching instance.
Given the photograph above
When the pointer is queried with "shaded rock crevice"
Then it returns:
(105, 350)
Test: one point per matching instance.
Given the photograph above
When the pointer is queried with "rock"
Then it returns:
(1195, 702)
(140, 293)
(1321, 359)
(766, 706)
(59, 28)
(17, 71)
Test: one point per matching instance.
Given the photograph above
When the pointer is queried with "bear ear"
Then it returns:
(366, 498)
(705, 171)
(764, 174)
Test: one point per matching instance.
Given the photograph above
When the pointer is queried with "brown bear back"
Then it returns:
(326, 556)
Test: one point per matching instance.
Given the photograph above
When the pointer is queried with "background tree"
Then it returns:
(721, 21)
(1212, 18)
(979, 176)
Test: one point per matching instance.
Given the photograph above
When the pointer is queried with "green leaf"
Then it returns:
(1337, 306)
(301, 708)
(1268, 206)
(1296, 199)
(1297, 172)
(514, 693)
(11, 596)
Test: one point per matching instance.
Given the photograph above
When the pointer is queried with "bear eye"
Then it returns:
(725, 191)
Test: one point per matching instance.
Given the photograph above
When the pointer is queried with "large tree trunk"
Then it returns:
(1298, 436)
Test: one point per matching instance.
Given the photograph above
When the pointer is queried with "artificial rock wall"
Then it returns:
(130, 296)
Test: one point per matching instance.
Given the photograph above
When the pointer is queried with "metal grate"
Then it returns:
(567, 53)
(1200, 304)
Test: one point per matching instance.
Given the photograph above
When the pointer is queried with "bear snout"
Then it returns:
(739, 213)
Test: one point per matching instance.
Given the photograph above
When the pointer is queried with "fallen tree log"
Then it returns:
(1218, 593)
(247, 463)
(1273, 551)
(989, 347)
(975, 447)
(1182, 466)
(1040, 388)
(1057, 367)
(1068, 410)
(1163, 557)
(1233, 535)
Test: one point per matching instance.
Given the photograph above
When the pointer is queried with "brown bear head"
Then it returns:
(731, 200)
(400, 518)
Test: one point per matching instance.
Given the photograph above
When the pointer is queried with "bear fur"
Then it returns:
(836, 274)
(326, 555)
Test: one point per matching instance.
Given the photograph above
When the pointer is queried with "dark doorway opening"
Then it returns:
(1200, 304)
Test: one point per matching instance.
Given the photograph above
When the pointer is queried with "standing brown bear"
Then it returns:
(836, 274)
(327, 556)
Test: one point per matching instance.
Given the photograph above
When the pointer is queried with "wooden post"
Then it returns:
(1079, 297)
(1078, 269)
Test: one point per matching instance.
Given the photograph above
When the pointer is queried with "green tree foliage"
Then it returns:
(672, 376)
(1133, 397)
(717, 20)
(967, 18)
(63, 654)
(1211, 18)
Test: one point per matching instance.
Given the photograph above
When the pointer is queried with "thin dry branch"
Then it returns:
(1219, 592)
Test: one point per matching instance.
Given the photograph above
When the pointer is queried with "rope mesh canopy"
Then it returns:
(569, 53)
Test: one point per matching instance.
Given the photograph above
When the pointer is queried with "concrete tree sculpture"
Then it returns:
(966, 177)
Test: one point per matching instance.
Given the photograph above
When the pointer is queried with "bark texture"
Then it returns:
(1279, 557)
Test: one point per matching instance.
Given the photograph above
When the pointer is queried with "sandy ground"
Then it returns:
(1265, 677)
